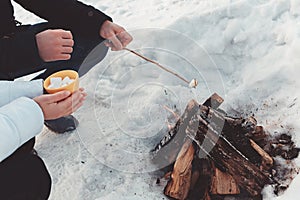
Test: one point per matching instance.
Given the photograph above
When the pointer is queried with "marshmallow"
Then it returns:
(193, 83)
(57, 82)
(67, 80)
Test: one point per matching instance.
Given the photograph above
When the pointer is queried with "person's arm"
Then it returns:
(19, 51)
(23, 118)
(11, 90)
(68, 14)
(20, 120)
(78, 18)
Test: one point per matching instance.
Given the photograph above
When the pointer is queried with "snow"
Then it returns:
(247, 51)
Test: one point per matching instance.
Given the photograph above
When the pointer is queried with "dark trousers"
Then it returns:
(23, 176)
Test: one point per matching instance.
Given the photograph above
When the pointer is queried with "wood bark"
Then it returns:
(214, 101)
(223, 183)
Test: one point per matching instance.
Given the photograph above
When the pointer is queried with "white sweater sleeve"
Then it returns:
(20, 120)
(11, 90)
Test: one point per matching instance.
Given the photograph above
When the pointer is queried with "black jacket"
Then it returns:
(19, 49)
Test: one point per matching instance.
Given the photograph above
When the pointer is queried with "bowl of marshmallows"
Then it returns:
(62, 80)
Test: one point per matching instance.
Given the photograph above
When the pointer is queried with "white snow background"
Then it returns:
(247, 51)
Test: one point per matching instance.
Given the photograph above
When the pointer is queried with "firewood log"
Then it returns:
(267, 160)
(179, 185)
(224, 154)
(223, 183)
(223, 141)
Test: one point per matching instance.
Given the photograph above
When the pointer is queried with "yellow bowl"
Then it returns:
(72, 87)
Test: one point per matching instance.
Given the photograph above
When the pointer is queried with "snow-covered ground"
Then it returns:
(247, 51)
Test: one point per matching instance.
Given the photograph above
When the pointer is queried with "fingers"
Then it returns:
(66, 45)
(54, 45)
(82, 92)
(60, 104)
(66, 34)
(125, 38)
(63, 56)
(73, 102)
(73, 109)
(53, 98)
(67, 42)
(117, 37)
(67, 50)
(116, 43)
(77, 104)
(76, 107)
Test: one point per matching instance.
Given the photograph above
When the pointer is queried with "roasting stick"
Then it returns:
(192, 83)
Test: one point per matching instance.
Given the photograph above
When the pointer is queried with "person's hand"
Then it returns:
(60, 104)
(116, 35)
(55, 44)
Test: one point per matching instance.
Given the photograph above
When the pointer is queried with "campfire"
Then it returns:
(214, 156)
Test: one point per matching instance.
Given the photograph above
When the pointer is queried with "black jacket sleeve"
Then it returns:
(69, 14)
(19, 54)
